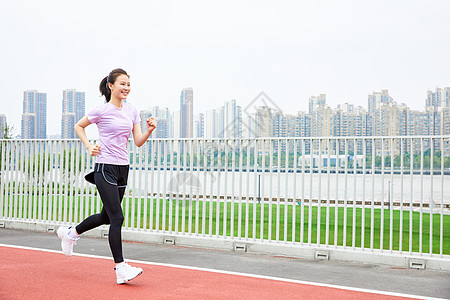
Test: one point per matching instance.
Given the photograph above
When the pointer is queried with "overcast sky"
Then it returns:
(224, 50)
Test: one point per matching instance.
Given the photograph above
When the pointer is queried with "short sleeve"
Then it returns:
(136, 117)
(94, 115)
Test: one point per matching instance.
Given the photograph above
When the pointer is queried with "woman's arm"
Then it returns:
(139, 137)
(79, 129)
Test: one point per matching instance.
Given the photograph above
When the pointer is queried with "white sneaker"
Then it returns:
(125, 272)
(67, 242)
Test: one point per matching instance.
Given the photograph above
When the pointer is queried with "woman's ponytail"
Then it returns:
(104, 89)
(111, 78)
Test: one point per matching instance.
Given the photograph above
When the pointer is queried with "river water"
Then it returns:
(432, 189)
(406, 188)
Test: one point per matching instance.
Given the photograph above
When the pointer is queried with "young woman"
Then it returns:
(115, 121)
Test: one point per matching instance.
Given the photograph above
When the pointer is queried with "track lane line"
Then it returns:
(311, 283)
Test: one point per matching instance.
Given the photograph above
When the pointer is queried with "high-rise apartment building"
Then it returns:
(303, 125)
(219, 125)
(436, 99)
(446, 121)
(199, 126)
(439, 98)
(288, 126)
(144, 115)
(321, 121)
(384, 117)
(249, 126)
(316, 101)
(210, 123)
(2, 125)
(376, 99)
(175, 128)
(264, 121)
(215, 123)
(432, 120)
(446, 100)
(73, 109)
(34, 115)
(187, 113)
(163, 120)
(277, 123)
(233, 120)
(162, 129)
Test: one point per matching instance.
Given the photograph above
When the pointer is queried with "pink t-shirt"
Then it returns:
(114, 129)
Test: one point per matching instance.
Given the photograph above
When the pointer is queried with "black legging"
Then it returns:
(111, 213)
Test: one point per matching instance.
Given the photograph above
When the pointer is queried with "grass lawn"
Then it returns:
(215, 219)
(299, 223)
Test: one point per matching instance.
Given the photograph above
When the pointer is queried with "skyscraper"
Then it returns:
(316, 101)
(303, 124)
(233, 120)
(249, 126)
(264, 121)
(2, 125)
(144, 115)
(187, 113)
(175, 128)
(199, 126)
(73, 109)
(210, 123)
(34, 117)
(439, 98)
(162, 118)
(375, 100)
(219, 122)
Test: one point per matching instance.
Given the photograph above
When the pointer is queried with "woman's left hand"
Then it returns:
(151, 124)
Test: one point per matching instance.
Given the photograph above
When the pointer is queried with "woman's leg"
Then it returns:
(93, 221)
(96, 220)
(111, 197)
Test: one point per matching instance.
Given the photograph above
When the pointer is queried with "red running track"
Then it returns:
(35, 274)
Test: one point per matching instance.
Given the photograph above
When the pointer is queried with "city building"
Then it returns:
(215, 123)
(187, 113)
(303, 125)
(383, 117)
(439, 98)
(144, 115)
(163, 119)
(73, 109)
(210, 123)
(175, 125)
(34, 115)
(2, 125)
(316, 101)
(375, 99)
(199, 126)
(233, 120)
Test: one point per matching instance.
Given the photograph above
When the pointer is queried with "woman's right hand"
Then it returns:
(94, 150)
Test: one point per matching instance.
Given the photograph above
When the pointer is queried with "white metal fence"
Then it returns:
(381, 194)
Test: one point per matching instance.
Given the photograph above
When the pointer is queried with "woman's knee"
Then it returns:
(117, 220)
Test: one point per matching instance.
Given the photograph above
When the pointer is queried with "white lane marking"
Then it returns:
(234, 273)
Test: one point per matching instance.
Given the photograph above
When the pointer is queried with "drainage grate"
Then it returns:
(239, 247)
(417, 264)
(169, 241)
(105, 234)
(325, 255)
(2, 224)
(50, 229)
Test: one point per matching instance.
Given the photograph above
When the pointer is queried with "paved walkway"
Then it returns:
(34, 268)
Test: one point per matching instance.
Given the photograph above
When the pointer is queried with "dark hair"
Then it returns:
(111, 78)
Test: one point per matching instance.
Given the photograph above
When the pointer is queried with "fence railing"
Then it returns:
(383, 194)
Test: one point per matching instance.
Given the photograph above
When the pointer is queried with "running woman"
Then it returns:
(115, 121)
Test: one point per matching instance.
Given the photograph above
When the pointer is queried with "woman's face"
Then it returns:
(121, 87)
